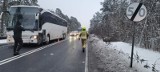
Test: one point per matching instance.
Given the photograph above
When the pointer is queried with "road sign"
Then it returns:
(136, 12)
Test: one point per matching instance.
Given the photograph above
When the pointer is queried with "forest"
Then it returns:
(112, 24)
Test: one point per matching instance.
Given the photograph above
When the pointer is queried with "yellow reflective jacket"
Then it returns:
(83, 35)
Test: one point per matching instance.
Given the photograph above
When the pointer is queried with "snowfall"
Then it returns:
(144, 60)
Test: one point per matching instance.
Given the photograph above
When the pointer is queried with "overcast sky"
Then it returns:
(83, 10)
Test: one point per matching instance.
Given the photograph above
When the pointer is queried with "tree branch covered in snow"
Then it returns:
(22, 2)
(111, 22)
(73, 23)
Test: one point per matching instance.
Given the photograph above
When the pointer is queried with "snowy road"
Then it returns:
(105, 57)
(62, 56)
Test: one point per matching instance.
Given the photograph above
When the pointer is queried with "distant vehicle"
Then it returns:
(40, 25)
(74, 33)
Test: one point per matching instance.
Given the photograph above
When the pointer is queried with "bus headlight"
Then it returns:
(34, 37)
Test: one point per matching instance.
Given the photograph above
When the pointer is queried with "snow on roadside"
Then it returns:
(3, 41)
(112, 59)
(146, 58)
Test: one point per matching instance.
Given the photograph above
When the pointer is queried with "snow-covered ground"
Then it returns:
(147, 58)
(3, 41)
(119, 53)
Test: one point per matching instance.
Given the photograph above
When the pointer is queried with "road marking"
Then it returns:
(86, 60)
(27, 53)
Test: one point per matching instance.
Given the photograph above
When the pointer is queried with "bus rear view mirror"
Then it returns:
(1, 15)
(37, 16)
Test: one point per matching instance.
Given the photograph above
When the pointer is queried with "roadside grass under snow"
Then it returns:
(147, 58)
(144, 60)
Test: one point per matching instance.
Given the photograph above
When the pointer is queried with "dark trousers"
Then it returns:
(18, 44)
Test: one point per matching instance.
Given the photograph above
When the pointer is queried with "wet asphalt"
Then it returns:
(64, 56)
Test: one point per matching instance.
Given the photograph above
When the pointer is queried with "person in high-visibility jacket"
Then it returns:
(83, 36)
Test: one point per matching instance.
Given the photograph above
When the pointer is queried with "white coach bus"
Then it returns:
(40, 25)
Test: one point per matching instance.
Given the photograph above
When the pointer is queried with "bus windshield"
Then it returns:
(26, 15)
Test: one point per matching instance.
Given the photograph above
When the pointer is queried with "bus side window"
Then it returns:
(40, 22)
(59, 21)
(54, 19)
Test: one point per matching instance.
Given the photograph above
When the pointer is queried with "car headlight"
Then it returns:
(34, 36)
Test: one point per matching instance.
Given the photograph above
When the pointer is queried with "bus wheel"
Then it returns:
(48, 40)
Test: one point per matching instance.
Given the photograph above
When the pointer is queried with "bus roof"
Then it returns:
(39, 7)
(25, 6)
(58, 16)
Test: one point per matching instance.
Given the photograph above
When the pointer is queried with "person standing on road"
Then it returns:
(18, 37)
(83, 36)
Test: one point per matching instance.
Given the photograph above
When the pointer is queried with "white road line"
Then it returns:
(86, 60)
(26, 53)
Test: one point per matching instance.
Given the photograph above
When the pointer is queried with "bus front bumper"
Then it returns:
(10, 40)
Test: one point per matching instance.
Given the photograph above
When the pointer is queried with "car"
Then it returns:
(74, 33)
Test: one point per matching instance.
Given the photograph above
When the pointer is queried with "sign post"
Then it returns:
(135, 12)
